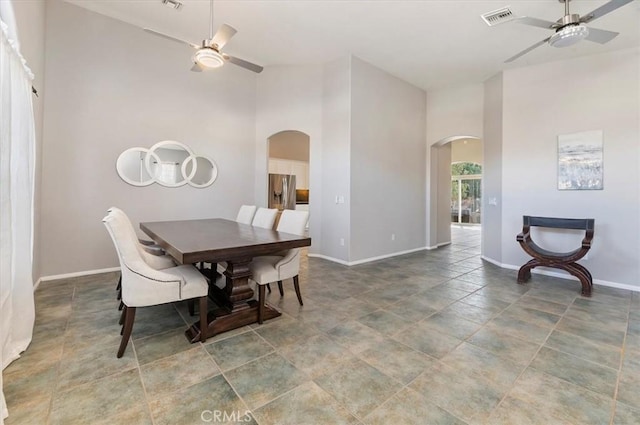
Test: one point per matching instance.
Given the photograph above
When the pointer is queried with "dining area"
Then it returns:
(429, 337)
(220, 263)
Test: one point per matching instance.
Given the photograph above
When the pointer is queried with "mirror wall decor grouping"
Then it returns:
(168, 163)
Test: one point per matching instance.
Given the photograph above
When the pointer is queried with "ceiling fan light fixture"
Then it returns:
(209, 58)
(569, 35)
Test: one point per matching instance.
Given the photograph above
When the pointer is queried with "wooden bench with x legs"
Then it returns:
(560, 260)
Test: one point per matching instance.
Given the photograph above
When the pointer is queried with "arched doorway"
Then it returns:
(454, 199)
(288, 155)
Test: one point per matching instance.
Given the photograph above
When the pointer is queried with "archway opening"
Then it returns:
(466, 193)
(288, 170)
(456, 182)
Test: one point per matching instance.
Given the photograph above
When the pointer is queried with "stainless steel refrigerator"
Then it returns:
(282, 191)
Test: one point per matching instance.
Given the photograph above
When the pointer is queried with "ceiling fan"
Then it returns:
(208, 54)
(571, 28)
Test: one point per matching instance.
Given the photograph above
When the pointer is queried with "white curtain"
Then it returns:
(17, 150)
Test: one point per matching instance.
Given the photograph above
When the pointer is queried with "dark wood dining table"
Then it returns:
(216, 240)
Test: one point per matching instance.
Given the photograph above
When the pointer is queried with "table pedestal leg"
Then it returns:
(236, 308)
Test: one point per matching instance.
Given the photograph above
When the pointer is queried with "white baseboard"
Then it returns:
(436, 246)
(367, 260)
(326, 257)
(491, 260)
(549, 272)
(616, 285)
(75, 274)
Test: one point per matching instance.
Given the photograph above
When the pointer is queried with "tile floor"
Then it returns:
(435, 337)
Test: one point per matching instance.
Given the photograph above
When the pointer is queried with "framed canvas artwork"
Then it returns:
(580, 161)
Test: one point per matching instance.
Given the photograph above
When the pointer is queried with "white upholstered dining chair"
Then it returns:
(245, 216)
(246, 213)
(276, 268)
(144, 286)
(151, 253)
(265, 217)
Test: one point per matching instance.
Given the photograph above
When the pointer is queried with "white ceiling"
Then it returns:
(428, 43)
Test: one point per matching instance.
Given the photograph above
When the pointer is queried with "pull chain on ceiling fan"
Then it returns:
(208, 54)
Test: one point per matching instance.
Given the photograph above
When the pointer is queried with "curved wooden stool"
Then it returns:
(560, 260)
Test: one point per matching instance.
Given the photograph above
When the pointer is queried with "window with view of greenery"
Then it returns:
(465, 169)
(466, 192)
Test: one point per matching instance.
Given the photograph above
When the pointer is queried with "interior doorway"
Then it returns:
(289, 155)
(456, 182)
(466, 193)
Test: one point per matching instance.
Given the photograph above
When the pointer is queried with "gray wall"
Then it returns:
(492, 170)
(601, 94)
(444, 195)
(454, 111)
(336, 128)
(111, 87)
(30, 20)
(387, 163)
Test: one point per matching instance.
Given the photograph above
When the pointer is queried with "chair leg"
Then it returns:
(203, 318)
(119, 288)
(280, 288)
(296, 285)
(122, 317)
(260, 303)
(191, 304)
(269, 287)
(130, 315)
(214, 271)
(121, 306)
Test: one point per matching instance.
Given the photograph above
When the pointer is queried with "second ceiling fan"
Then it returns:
(208, 54)
(571, 28)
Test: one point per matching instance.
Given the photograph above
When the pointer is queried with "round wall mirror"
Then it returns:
(131, 167)
(201, 171)
(166, 166)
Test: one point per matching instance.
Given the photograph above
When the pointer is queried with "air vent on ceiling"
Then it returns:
(498, 16)
(174, 4)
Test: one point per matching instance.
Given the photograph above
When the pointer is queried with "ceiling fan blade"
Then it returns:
(197, 67)
(224, 33)
(601, 36)
(535, 22)
(527, 50)
(168, 37)
(243, 63)
(603, 10)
